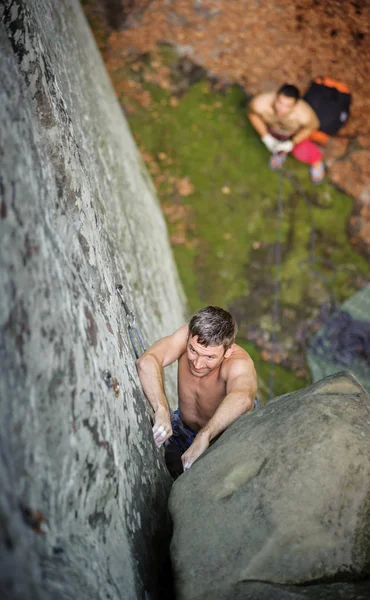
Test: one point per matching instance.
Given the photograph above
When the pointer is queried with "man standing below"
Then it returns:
(216, 384)
(285, 123)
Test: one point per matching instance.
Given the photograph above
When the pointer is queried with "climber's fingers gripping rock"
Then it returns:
(162, 429)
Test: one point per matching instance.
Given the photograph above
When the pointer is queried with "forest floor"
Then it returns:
(183, 72)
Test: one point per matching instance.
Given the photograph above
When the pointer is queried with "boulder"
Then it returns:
(257, 590)
(283, 497)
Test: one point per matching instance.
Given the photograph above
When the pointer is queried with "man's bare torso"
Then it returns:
(302, 115)
(199, 397)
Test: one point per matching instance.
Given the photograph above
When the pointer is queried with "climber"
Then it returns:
(285, 123)
(216, 385)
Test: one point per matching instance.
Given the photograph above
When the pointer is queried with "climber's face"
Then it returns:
(203, 360)
(283, 105)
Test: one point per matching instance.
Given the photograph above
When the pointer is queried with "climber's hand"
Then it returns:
(270, 142)
(162, 429)
(286, 146)
(200, 444)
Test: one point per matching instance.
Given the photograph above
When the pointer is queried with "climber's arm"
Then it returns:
(241, 388)
(310, 123)
(150, 369)
(257, 122)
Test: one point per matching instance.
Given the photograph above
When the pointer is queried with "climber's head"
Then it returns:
(286, 98)
(212, 332)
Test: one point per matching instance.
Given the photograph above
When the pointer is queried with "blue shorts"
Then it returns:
(182, 437)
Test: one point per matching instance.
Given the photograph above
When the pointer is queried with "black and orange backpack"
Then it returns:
(331, 101)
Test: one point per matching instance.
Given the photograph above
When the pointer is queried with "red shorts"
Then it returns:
(306, 151)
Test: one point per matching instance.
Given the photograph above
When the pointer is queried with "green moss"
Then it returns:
(211, 142)
(283, 381)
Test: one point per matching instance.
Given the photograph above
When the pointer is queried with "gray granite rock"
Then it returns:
(78, 214)
(283, 497)
(256, 590)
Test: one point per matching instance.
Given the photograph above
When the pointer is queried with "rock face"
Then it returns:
(78, 215)
(283, 497)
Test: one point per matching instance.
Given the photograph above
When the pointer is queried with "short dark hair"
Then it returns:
(213, 326)
(291, 91)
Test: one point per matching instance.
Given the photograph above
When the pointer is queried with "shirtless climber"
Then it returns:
(216, 385)
(285, 123)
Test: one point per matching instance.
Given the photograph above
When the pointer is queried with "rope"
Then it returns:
(131, 324)
(312, 259)
(344, 338)
(277, 282)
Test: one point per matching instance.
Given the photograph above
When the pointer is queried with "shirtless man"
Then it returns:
(216, 384)
(285, 123)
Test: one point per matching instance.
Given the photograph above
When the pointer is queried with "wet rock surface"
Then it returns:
(280, 500)
(83, 502)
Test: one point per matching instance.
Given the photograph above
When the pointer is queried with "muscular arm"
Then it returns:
(302, 134)
(150, 369)
(257, 122)
(241, 391)
(257, 117)
(311, 124)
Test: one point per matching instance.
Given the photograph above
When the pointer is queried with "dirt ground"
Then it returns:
(260, 44)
